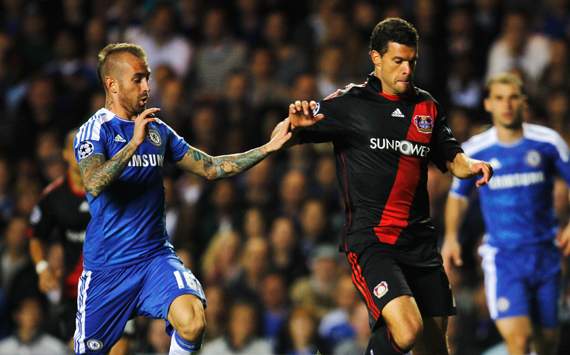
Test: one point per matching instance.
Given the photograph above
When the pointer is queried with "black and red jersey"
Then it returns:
(61, 216)
(383, 145)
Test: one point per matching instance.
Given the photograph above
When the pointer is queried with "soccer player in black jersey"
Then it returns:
(385, 132)
(60, 218)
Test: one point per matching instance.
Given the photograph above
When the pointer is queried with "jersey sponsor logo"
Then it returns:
(404, 147)
(144, 160)
(120, 139)
(397, 113)
(533, 158)
(424, 124)
(94, 344)
(381, 289)
(154, 137)
(85, 149)
(516, 180)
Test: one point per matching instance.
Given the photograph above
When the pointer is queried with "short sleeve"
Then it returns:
(562, 158)
(444, 146)
(176, 145)
(90, 139)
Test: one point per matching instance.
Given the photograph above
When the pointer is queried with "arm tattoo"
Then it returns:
(223, 165)
(97, 173)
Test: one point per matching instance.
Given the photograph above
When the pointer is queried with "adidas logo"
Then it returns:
(118, 138)
(397, 113)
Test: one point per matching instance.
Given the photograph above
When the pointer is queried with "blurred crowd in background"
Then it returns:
(264, 243)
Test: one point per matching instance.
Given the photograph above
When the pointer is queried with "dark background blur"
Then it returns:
(223, 72)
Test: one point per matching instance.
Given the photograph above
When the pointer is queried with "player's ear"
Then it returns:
(375, 56)
(487, 104)
(111, 84)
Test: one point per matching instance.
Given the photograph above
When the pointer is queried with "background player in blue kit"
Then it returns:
(521, 261)
(129, 266)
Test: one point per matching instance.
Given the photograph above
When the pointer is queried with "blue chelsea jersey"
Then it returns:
(517, 204)
(127, 217)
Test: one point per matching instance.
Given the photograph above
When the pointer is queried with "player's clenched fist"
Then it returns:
(141, 121)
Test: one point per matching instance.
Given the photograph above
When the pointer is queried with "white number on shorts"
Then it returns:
(190, 282)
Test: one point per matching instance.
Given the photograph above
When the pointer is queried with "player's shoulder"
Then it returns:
(424, 95)
(53, 187)
(92, 128)
(164, 127)
(540, 133)
(548, 137)
(481, 142)
(349, 90)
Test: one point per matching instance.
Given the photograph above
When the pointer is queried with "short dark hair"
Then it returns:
(393, 30)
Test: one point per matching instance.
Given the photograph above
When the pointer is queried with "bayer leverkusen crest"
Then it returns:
(424, 124)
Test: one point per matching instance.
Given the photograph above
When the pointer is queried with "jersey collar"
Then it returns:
(375, 84)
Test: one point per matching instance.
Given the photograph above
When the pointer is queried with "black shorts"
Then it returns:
(380, 277)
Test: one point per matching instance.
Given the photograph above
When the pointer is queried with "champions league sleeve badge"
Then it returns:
(154, 137)
(85, 149)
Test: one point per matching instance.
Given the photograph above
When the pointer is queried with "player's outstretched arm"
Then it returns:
(563, 240)
(464, 167)
(217, 167)
(97, 173)
(455, 209)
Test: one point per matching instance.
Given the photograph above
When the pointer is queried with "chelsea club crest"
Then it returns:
(154, 137)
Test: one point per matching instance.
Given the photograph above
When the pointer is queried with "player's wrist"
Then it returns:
(133, 142)
(41, 266)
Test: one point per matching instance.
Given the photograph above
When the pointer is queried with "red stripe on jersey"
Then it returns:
(360, 283)
(397, 209)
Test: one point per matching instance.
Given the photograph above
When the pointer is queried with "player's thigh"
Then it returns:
(379, 280)
(432, 341)
(545, 309)
(166, 281)
(431, 290)
(506, 288)
(106, 300)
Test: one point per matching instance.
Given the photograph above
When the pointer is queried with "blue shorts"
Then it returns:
(107, 299)
(523, 282)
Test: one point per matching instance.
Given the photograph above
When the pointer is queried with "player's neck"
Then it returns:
(115, 107)
(509, 135)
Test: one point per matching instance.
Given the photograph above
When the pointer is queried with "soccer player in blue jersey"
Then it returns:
(521, 250)
(129, 267)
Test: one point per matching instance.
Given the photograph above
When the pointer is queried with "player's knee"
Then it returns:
(193, 327)
(408, 333)
(520, 342)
